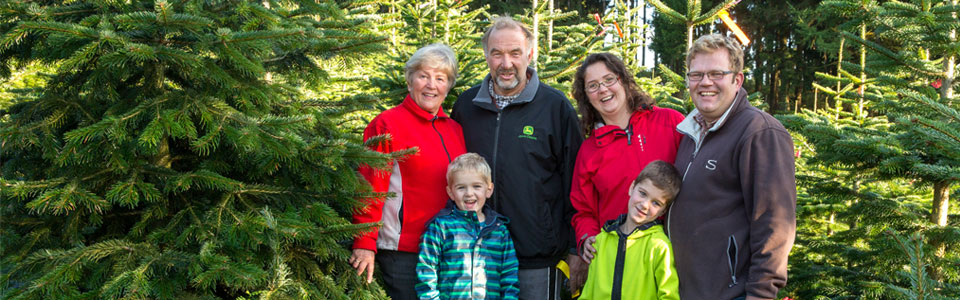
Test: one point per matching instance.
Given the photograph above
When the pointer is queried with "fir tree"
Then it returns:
(693, 16)
(869, 153)
(171, 155)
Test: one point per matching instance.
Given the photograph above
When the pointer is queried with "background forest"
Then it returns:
(191, 149)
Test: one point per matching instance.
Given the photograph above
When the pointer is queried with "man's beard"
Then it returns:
(508, 85)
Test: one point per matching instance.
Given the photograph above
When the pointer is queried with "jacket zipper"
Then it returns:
(693, 156)
(617, 290)
(496, 145)
(733, 261)
(433, 122)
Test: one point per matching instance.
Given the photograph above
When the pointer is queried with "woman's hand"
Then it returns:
(362, 260)
(588, 250)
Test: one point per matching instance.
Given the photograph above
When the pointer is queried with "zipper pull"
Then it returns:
(629, 135)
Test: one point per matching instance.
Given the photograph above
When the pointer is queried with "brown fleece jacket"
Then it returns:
(733, 224)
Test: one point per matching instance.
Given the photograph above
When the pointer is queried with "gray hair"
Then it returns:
(713, 42)
(506, 23)
(437, 56)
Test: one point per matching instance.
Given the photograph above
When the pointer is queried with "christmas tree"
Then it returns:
(867, 162)
(174, 152)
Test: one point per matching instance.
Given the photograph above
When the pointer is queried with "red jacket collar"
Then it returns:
(605, 135)
(412, 106)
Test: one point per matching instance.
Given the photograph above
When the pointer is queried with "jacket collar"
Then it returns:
(415, 109)
(606, 134)
(483, 98)
(614, 225)
(691, 128)
(491, 215)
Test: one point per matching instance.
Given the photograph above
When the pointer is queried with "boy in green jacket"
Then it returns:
(634, 259)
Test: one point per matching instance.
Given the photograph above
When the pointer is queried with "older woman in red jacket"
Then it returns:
(418, 181)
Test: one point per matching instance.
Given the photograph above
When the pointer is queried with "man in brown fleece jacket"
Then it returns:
(732, 225)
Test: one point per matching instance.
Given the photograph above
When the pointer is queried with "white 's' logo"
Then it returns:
(711, 164)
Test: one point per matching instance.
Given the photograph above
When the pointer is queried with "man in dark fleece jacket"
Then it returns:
(733, 224)
(529, 134)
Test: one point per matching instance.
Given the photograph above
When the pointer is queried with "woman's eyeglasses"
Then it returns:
(593, 86)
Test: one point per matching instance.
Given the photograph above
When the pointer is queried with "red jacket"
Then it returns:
(419, 181)
(607, 164)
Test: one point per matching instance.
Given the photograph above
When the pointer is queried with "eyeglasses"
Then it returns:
(609, 80)
(713, 75)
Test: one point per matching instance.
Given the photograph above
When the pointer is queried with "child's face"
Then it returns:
(646, 203)
(469, 190)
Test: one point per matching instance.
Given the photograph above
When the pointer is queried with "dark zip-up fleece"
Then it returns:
(733, 224)
(531, 146)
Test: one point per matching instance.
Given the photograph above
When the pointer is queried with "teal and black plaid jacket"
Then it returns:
(461, 258)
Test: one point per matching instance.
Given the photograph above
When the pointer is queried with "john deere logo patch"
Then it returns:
(528, 133)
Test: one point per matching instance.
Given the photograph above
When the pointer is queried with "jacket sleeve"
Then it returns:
(769, 188)
(510, 269)
(379, 180)
(571, 146)
(584, 197)
(665, 272)
(676, 118)
(428, 262)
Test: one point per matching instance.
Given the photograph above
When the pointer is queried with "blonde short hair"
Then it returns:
(437, 56)
(507, 23)
(713, 42)
(469, 162)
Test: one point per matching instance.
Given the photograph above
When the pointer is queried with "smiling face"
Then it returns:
(469, 191)
(508, 56)
(609, 101)
(647, 203)
(428, 87)
(713, 97)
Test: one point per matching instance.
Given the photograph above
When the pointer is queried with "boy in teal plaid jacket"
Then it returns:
(466, 251)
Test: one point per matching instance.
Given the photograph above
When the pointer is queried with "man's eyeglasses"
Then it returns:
(607, 81)
(713, 75)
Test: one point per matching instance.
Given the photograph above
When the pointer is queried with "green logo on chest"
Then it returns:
(528, 133)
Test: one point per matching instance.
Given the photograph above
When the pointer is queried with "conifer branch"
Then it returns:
(364, 43)
(666, 10)
(906, 62)
(711, 15)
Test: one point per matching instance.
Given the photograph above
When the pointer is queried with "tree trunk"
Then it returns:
(941, 203)
(393, 31)
(863, 75)
(536, 35)
(946, 89)
(815, 98)
(836, 98)
(643, 55)
(941, 207)
(830, 222)
(856, 190)
(774, 92)
(796, 106)
(550, 28)
(689, 35)
(446, 29)
(433, 33)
